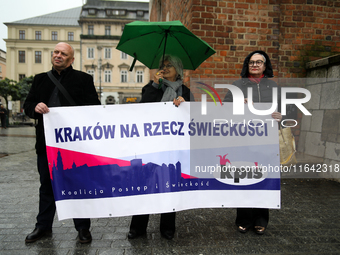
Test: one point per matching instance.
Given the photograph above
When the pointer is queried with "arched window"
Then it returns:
(110, 100)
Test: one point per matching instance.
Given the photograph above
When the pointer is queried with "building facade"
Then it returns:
(102, 24)
(31, 42)
(2, 64)
(2, 71)
(94, 31)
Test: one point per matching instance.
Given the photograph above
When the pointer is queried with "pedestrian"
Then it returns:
(3, 114)
(74, 88)
(166, 86)
(256, 70)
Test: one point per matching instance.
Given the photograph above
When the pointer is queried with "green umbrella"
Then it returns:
(148, 42)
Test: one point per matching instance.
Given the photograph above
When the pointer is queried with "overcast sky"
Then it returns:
(13, 10)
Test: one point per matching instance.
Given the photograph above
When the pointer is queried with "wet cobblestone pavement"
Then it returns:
(308, 222)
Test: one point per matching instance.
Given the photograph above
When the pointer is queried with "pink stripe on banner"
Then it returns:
(78, 158)
(186, 176)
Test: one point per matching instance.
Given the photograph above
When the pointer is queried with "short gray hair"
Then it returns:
(176, 62)
(264, 58)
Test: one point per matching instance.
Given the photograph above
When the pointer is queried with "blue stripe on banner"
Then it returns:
(85, 182)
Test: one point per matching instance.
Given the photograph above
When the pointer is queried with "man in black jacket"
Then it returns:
(44, 94)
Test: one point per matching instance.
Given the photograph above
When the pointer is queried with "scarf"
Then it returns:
(256, 80)
(171, 89)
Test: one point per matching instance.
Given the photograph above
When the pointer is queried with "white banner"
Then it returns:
(119, 160)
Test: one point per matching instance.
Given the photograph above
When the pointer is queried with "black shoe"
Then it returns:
(242, 229)
(168, 234)
(37, 234)
(85, 236)
(259, 230)
(134, 234)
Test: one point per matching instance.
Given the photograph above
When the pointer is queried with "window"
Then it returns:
(107, 76)
(92, 11)
(37, 35)
(107, 30)
(54, 36)
(123, 76)
(90, 52)
(22, 34)
(70, 36)
(139, 76)
(123, 55)
(90, 30)
(115, 12)
(21, 76)
(107, 53)
(123, 28)
(0, 69)
(38, 57)
(21, 56)
(140, 13)
(91, 72)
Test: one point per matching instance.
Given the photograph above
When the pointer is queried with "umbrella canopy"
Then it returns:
(147, 42)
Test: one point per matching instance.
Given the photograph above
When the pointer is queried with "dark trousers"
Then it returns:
(46, 199)
(3, 121)
(139, 223)
(250, 217)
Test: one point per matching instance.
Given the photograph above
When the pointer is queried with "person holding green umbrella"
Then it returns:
(166, 86)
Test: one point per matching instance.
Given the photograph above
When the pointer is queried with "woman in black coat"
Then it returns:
(256, 70)
(166, 86)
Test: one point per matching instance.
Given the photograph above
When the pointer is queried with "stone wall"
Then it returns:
(320, 133)
(292, 32)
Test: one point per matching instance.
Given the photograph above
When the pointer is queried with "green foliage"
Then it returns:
(24, 86)
(9, 88)
(15, 90)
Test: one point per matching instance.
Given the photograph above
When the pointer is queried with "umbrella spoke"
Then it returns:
(165, 41)
(159, 48)
(186, 52)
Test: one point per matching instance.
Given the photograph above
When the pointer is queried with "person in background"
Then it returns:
(256, 70)
(43, 95)
(166, 86)
(3, 114)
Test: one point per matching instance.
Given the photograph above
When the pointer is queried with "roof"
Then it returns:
(68, 17)
(116, 5)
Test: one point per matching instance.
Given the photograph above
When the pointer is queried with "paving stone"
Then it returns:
(59, 252)
(19, 252)
(111, 251)
(307, 223)
(138, 251)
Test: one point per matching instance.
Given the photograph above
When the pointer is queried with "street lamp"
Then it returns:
(100, 78)
(100, 71)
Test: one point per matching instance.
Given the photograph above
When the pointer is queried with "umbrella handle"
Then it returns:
(160, 83)
(133, 63)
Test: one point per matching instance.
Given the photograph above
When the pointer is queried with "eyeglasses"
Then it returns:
(258, 63)
(167, 66)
